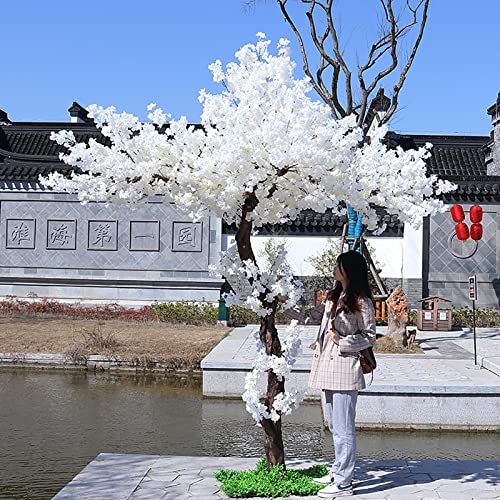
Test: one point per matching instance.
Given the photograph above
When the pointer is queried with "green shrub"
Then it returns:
(412, 317)
(486, 317)
(274, 483)
(191, 313)
(242, 316)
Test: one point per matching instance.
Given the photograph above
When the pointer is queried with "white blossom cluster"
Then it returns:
(274, 279)
(281, 366)
(397, 180)
(261, 134)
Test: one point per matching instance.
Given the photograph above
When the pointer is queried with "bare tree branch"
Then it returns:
(339, 57)
(332, 59)
(307, 71)
(404, 72)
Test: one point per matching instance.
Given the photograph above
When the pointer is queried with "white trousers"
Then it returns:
(341, 415)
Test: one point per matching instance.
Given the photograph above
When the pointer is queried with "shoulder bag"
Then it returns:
(367, 360)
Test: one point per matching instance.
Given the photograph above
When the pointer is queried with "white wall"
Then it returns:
(398, 257)
(388, 252)
(412, 252)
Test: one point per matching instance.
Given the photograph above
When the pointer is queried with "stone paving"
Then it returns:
(487, 344)
(155, 477)
(448, 360)
(446, 367)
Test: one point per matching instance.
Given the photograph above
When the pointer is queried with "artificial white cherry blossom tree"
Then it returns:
(265, 151)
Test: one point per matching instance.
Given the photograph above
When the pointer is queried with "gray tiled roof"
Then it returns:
(461, 156)
(328, 224)
(33, 139)
(26, 152)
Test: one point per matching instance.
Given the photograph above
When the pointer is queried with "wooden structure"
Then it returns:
(380, 309)
(353, 244)
(382, 295)
(435, 314)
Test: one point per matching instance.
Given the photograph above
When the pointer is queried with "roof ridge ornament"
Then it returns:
(79, 114)
(4, 118)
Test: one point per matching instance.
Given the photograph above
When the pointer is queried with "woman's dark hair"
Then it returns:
(354, 266)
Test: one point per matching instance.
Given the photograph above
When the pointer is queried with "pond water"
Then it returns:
(53, 423)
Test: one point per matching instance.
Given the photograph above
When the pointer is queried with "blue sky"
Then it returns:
(128, 53)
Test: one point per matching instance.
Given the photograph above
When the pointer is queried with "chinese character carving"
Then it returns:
(145, 236)
(187, 236)
(20, 233)
(61, 234)
(103, 235)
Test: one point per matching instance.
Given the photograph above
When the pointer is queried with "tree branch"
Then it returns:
(332, 58)
(404, 72)
(307, 71)
(338, 55)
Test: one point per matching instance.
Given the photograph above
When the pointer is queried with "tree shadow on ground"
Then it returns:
(376, 476)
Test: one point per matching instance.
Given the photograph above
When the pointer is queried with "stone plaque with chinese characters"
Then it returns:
(103, 235)
(58, 236)
(145, 236)
(20, 233)
(61, 234)
(187, 236)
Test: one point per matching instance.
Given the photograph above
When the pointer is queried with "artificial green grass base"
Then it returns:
(274, 483)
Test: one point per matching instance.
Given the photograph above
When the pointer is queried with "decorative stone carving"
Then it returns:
(61, 234)
(187, 236)
(103, 235)
(20, 233)
(145, 236)
(397, 316)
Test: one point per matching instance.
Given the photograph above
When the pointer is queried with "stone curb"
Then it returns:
(93, 362)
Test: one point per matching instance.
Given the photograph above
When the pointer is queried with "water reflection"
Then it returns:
(53, 423)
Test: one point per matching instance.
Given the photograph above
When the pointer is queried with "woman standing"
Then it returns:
(348, 326)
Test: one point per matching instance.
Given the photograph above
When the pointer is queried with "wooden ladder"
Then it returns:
(360, 241)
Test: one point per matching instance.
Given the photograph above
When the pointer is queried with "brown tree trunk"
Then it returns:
(273, 442)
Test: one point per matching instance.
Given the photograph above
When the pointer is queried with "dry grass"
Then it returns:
(387, 345)
(179, 346)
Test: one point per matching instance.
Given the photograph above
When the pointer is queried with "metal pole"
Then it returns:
(474, 326)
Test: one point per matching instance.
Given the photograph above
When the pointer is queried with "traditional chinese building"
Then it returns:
(52, 246)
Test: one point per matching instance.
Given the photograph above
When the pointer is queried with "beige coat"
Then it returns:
(336, 363)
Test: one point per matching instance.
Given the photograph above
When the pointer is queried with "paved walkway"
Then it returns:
(448, 361)
(155, 477)
(447, 367)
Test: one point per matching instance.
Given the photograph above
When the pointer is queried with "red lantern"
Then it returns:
(476, 213)
(476, 231)
(462, 231)
(457, 212)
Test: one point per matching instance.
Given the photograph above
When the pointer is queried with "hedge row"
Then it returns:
(191, 313)
(196, 313)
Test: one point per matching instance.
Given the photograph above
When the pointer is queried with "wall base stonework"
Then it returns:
(488, 293)
(411, 287)
(129, 293)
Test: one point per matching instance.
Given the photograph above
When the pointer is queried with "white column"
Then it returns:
(412, 252)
